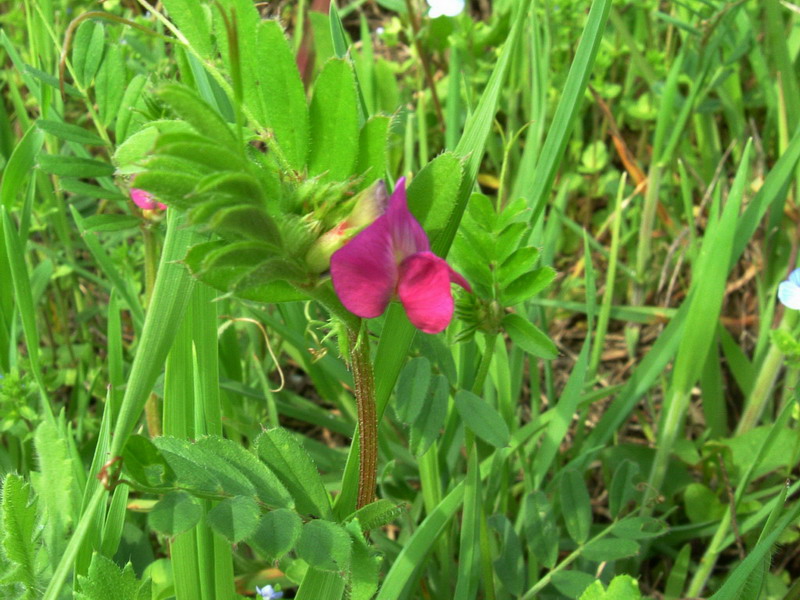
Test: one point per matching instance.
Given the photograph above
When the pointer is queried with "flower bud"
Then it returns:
(369, 205)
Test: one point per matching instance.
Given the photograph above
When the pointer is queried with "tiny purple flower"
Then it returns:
(267, 593)
(789, 291)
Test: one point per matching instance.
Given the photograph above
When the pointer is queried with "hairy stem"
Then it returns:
(367, 418)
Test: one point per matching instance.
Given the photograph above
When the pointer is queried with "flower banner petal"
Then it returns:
(364, 271)
(408, 236)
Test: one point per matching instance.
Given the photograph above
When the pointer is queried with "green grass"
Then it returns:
(616, 397)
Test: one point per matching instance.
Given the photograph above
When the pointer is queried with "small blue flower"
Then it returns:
(267, 593)
(789, 291)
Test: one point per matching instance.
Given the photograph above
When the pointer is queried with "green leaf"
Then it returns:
(482, 418)
(130, 154)
(529, 337)
(432, 190)
(279, 449)
(412, 388)
(133, 92)
(541, 531)
(19, 532)
(74, 166)
(203, 151)
(195, 111)
(426, 428)
(111, 222)
(364, 565)
(572, 583)
(110, 85)
(248, 222)
(87, 51)
(623, 489)
(639, 528)
(377, 514)
(281, 92)
(334, 123)
(526, 286)
(576, 508)
(70, 133)
(57, 489)
(325, 546)
(371, 164)
(79, 188)
(200, 473)
(235, 518)
(145, 465)
(169, 187)
(106, 580)
(175, 513)
(622, 587)
(19, 165)
(610, 549)
(221, 264)
(519, 263)
(276, 534)
(509, 565)
(702, 505)
(192, 19)
(267, 486)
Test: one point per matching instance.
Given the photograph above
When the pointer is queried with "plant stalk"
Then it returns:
(367, 418)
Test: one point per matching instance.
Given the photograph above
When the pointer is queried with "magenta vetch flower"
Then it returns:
(392, 258)
(144, 200)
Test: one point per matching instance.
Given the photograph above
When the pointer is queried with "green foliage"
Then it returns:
(625, 222)
(175, 513)
(277, 533)
(622, 587)
(482, 419)
(19, 538)
(294, 467)
(334, 121)
(325, 546)
(106, 580)
(234, 518)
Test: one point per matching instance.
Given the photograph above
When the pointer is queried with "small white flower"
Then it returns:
(789, 291)
(267, 593)
(446, 8)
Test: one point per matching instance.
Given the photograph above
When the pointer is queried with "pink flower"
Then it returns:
(392, 258)
(144, 200)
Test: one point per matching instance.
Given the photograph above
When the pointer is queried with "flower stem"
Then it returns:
(367, 418)
(364, 380)
(151, 257)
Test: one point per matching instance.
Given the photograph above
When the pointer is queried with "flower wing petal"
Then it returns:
(408, 236)
(424, 290)
(789, 294)
(364, 271)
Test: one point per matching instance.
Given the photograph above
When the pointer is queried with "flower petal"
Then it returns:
(794, 277)
(364, 271)
(408, 236)
(424, 290)
(456, 277)
(449, 8)
(789, 294)
(144, 200)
